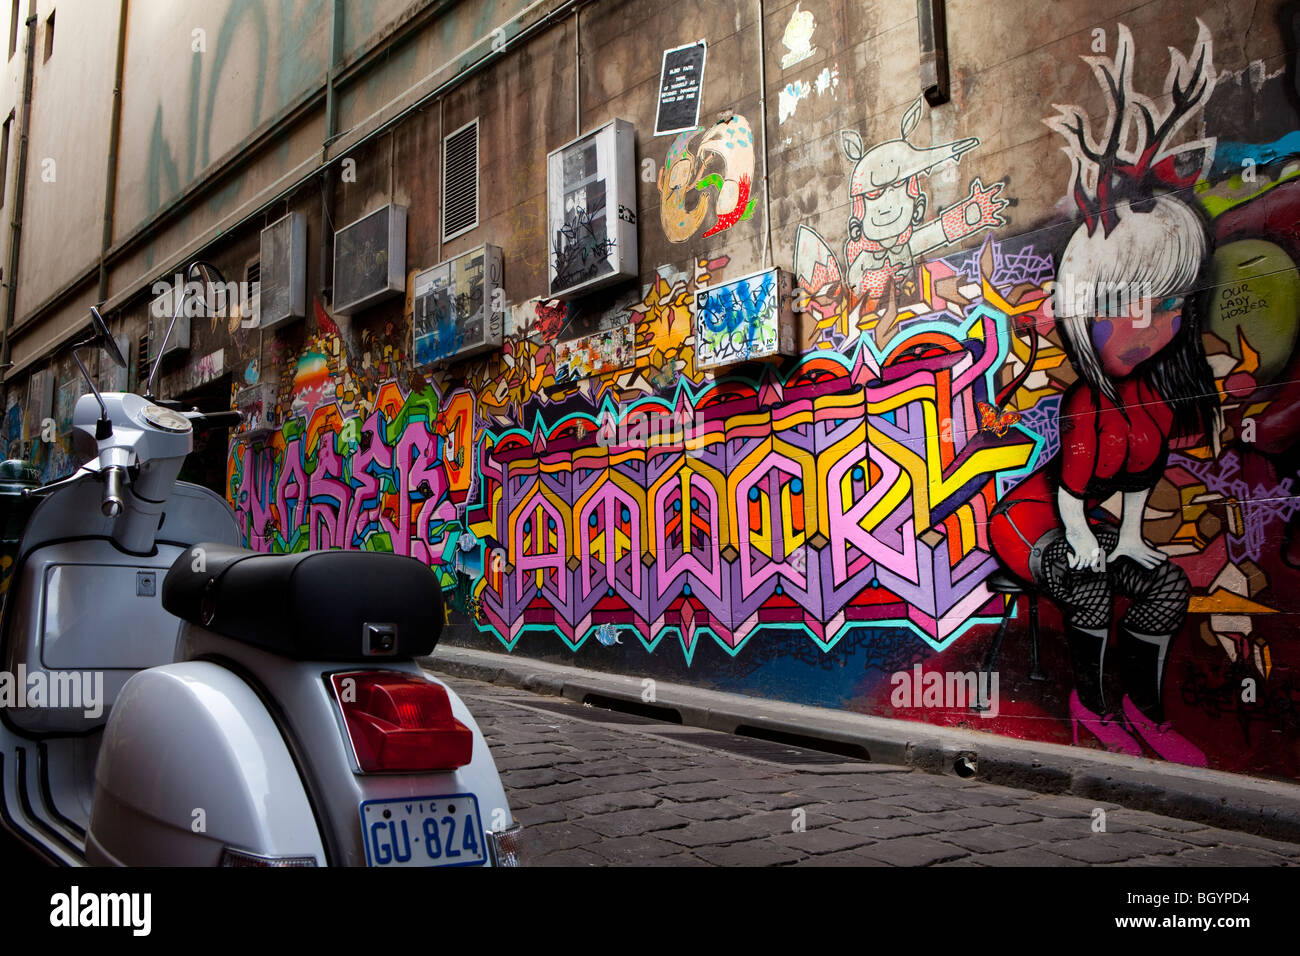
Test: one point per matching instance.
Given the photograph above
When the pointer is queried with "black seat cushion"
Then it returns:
(999, 582)
(313, 605)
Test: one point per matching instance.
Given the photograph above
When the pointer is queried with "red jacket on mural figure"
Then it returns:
(1105, 448)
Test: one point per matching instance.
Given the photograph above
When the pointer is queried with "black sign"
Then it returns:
(679, 89)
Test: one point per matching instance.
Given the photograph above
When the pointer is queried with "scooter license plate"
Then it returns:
(423, 831)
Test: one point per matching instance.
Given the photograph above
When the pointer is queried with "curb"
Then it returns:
(1215, 798)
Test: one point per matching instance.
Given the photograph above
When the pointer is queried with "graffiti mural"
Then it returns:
(1097, 404)
(818, 499)
(1133, 336)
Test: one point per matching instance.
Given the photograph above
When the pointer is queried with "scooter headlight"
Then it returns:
(165, 419)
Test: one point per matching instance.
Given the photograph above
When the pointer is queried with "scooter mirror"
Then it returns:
(106, 340)
(214, 295)
(206, 273)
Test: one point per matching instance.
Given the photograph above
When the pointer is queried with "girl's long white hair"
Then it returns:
(1152, 254)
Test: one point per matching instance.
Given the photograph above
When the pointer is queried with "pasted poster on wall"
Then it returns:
(680, 81)
(40, 401)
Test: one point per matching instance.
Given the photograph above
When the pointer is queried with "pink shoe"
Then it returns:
(1162, 738)
(1109, 730)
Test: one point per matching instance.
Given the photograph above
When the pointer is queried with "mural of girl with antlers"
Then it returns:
(1131, 293)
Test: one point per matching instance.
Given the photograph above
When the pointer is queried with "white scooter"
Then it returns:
(170, 698)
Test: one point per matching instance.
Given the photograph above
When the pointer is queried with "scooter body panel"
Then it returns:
(90, 619)
(310, 718)
(192, 763)
(64, 630)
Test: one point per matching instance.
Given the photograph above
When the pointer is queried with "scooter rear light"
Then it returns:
(400, 723)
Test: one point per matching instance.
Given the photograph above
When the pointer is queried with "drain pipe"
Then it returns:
(762, 115)
(577, 70)
(932, 28)
(20, 187)
(325, 281)
(114, 142)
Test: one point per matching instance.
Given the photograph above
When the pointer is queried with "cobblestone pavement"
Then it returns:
(600, 788)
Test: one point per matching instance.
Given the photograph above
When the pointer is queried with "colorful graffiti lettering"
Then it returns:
(818, 500)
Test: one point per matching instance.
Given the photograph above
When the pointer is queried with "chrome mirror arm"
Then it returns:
(180, 304)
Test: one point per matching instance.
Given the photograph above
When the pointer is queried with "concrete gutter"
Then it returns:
(1231, 801)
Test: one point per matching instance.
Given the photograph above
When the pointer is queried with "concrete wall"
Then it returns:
(834, 526)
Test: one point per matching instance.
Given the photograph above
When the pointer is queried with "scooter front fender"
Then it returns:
(192, 763)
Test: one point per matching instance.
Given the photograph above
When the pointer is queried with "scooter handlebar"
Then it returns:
(229, 419)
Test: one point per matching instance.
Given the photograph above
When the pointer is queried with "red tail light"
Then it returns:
(398, 722)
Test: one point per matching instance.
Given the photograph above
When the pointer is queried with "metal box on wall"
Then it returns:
(745, 319)
(40, 401)
(369, 260)
(591, 210)
(257, 405)
(282, 278)
(458, 307)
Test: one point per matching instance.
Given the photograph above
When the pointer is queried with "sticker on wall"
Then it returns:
(680, 81)
(798, 37)
(828, 80)
(608, 351)
(720, 165)
(789, 98)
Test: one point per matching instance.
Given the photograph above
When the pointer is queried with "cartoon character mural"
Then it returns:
(887, 230)
(723, 160)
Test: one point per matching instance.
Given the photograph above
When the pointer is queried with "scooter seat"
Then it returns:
(314, 605)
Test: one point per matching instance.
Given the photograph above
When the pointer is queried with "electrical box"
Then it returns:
(745, 319)
(282, 280)
(458, 307)
(40, 401)
(257, 405)
(369, 261)
(591, 211)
